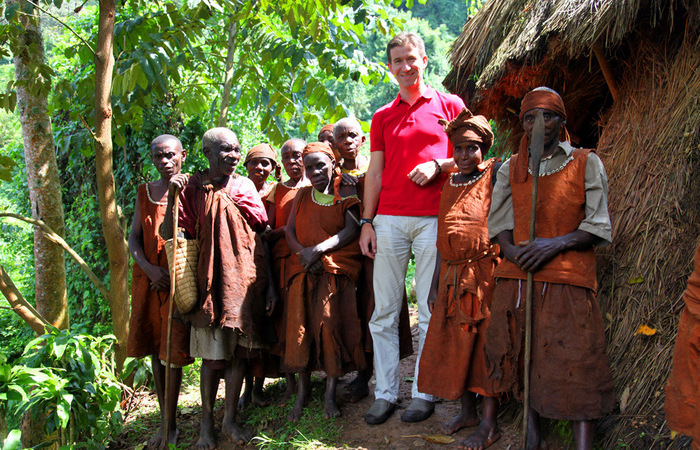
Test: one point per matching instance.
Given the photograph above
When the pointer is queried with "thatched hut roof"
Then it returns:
(629, 73)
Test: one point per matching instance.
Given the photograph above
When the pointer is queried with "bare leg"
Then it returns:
(487, 433)
(291, 386)
(208, 385)
(247, 391)
(331, 409)
(534, 435)
(466, 418)
(302, 396)
(235, 372)
(583, 434)
(156, 441)
(258, 394)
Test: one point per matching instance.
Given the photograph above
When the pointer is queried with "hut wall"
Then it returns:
(650, 144)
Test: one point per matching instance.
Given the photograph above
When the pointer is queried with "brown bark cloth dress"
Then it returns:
(683, 388)
(323, 327)
(453, 353)
(570, 376)
(148, 324)
(282, 197)
(365, 292)
(231, 273)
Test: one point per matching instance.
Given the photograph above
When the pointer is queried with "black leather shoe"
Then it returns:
(379, 412)
(418, 410)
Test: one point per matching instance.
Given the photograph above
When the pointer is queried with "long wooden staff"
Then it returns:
(166, 399)
(536, 151)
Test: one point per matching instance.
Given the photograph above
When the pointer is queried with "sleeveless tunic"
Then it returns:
(453, 359)
(148, 324)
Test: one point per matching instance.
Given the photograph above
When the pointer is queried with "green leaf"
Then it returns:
(13, 441)
(11, 11)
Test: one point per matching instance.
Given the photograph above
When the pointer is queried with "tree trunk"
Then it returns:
(228, 76)
(109, 214)
(21, 306)
(40, 159)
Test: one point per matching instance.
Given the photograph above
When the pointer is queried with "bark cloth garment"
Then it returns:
(231, 272)
(365, 291)
(570, 376)
(282, 197)
(323, 327)
(148, 324)
(453, 354)
(683, 388)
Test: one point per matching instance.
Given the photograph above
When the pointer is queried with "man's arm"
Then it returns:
(425, 172)
(373, 187)
(177, 183)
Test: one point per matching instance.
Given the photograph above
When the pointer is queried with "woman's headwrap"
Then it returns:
(329, 127)
(322, 147)
(265, 151)
(474, 128)
(538, 98)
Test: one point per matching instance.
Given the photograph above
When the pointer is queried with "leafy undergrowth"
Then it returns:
(268, 425)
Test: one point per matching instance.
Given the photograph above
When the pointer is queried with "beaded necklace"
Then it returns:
(473, 180)
(148, 193)
(558, 169)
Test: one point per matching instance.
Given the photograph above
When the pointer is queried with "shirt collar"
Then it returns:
(563, 147)
(428, 94)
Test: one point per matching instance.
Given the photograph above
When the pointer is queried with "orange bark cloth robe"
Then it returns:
(365, 291)
(683, 388)
(148, 325)
(570, 376)
(231, 272)
(453, 353)
(323, 327)
(282, 197)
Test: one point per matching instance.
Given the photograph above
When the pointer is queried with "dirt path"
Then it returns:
(354, 434)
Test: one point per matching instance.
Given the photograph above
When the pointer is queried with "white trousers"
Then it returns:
(396, 235)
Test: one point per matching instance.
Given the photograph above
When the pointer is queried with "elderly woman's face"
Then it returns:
(467, 154)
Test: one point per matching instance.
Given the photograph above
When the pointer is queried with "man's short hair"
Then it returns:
(402, 39)
(213, 137)
(163, 138)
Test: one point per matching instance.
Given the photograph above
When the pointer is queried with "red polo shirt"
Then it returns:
(409, 135)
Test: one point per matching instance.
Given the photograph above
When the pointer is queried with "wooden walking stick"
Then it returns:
(536, 151)
(166, 400)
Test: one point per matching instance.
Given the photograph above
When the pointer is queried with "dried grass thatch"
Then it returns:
(649, 139)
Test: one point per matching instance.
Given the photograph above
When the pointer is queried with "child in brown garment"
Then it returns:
(323, 327)
(150, 288)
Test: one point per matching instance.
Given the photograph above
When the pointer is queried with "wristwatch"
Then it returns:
(364, 221)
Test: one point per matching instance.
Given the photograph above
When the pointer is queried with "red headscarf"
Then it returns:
(264, 151)
(322, 147)
(474, 128)
(544, 98)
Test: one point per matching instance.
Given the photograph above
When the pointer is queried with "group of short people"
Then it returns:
(308, 274)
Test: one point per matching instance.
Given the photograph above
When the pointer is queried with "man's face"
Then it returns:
(552, 125)
(407, 65)
(223, 158)
(168, 158)
(348, 140)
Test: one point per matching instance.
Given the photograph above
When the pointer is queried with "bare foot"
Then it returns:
(357, 391)
(244, 400)
(482, 438)
(234, 433)
(331, 410)
(259, 398)
(206, 440)
(156, 441)
(297, 410)
(460, 421)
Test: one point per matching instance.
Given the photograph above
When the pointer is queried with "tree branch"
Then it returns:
(56, 239)
(20, 305)
(87, 44)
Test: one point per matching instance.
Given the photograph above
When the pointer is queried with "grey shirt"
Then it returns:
(597, 219)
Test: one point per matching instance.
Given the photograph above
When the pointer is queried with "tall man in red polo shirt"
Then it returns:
(410, 156)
